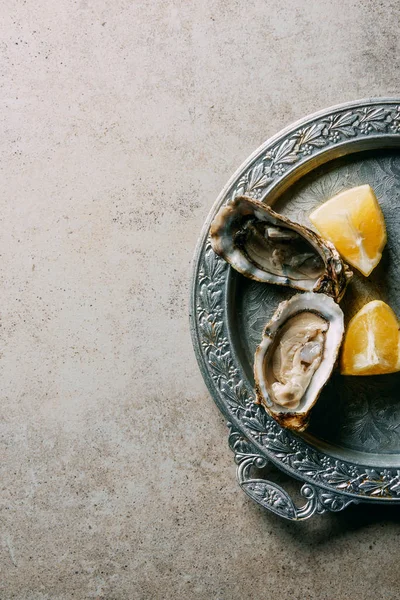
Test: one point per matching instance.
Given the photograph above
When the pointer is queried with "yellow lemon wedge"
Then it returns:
(372, 341)
(354, 223)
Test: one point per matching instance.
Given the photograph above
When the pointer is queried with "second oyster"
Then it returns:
(268, 247)
(296, 356)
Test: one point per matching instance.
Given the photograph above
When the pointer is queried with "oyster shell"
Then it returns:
(296, 356)
(268, 247)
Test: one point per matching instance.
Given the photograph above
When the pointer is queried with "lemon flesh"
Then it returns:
(372, 342)
(353, 221)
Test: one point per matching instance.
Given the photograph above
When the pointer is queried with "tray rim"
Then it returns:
(374, 473)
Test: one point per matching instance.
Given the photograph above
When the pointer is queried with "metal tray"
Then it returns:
(351, 450)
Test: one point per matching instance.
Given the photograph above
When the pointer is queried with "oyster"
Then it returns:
(268, 247)
(295, 358)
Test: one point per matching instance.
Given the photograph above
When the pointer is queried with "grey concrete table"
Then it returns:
(120, 122)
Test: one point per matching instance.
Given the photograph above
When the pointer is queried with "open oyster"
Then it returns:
(296, 356)
(268, 247)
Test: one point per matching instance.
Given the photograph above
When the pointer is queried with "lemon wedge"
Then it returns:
(372, 341)
(353, 221)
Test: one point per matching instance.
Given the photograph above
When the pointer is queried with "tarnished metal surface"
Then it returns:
(351, 451)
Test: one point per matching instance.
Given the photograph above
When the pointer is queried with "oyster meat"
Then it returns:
(296, 356)
(268, 247)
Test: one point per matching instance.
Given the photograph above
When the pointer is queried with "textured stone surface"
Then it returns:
(120, 122)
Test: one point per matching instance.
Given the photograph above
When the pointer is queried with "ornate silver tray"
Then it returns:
(351, 450)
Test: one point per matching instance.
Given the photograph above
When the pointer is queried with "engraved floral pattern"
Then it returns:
(312, 138)
(324, 473)
(272, 496)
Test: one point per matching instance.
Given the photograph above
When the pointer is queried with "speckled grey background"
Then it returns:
(120, 122)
